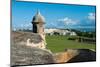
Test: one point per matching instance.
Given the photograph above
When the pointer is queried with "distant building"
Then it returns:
(60, 32)
(38, 23)
(73, 34)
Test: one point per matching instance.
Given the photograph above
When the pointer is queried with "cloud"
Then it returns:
(27, 25)
(50, 25)
(88, 21)
(91, 16)
(68, 21)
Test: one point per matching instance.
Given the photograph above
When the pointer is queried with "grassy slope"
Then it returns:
(60, 43)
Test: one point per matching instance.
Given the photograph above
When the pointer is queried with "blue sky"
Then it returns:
(56, 15)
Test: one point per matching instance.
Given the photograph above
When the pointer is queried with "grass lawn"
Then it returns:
(60, 43)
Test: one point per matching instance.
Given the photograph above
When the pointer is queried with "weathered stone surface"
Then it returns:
(84, 55)
(26, 55)
(18, 37)
(22, 55)
(63, 57)
(75, 55)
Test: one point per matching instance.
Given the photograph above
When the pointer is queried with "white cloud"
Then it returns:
(91, 16)
(68, 21)
(25, 25)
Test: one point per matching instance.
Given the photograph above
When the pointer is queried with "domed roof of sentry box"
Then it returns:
(38, 18)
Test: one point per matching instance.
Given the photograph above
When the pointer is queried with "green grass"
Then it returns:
(60, 43)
